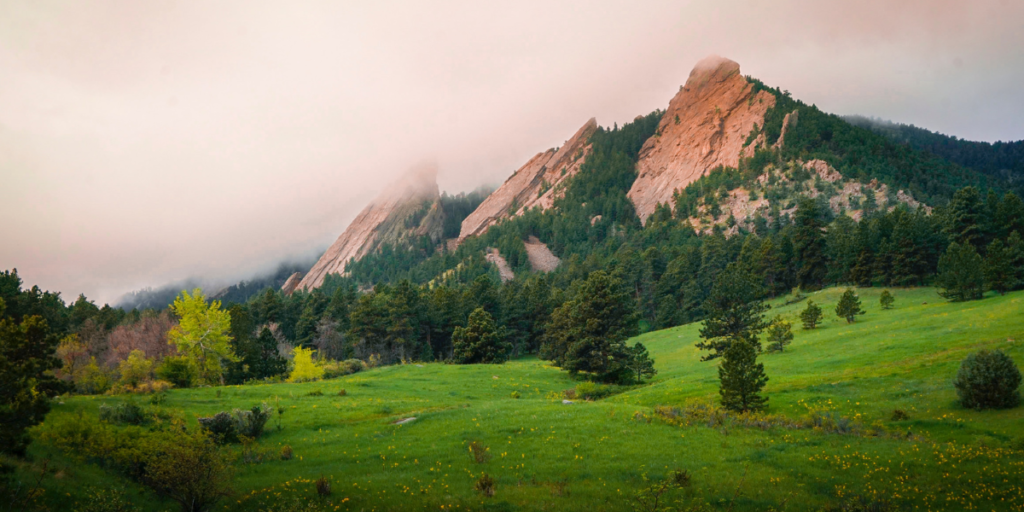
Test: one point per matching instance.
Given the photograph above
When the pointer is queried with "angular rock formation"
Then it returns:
(293, 282)
(705, 126)
(535, 184)
(386, 219)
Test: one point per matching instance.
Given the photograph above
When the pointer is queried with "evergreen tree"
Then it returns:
(849, 306)
(998, 269)
(965, 217)
(588, 333)
(780, 334)
(480, 341)
(734, 310)
(640, 363)
(1015, 249)
(886, 300)
(742, 378)
(960, 273)
(809, 243)
(811, 315)
(1010, 215)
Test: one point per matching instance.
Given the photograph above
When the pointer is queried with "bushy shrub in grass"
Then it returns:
(221, 427)
(988, 380)
(225, 427)
(178, 371)
(593, 391)
(123, 413)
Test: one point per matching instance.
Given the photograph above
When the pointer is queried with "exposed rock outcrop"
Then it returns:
(386, 219)
(504, 271)
(541, 258)
(704, 127)
(537, 183)
(293, 282)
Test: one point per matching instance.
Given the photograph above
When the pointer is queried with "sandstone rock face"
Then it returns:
(293, 282)
(504, 271)
(705, 126)
(384, 220)
(537, 183)
(541, 258)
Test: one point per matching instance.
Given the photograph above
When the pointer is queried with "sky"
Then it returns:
(143, 143)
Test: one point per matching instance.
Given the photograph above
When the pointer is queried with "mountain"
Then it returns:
(704, 127)
(536, 184)
(1003, 160)
(406, 209)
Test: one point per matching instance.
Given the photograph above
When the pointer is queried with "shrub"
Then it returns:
(221, 427)
(900, 415)
(305, 368)
(988, 380)
(479, 452)
(811, 315)
(886, 300)
(286, 452)
(570, 394)
(780, 334)
(315, 392)
(124, 413)
(485, 485)
(251, 423)
(190, 470)
(92, 379)
(115, 499)
(178, 371)
(323, 487)
(515, 394)
(136, 369)
(342, 392)
(592, 391)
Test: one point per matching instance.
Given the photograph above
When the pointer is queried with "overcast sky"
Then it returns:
(146, 142)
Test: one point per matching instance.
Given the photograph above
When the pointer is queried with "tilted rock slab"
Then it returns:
(292, 283)
(537, 183)
(383, 220)
(716, 110)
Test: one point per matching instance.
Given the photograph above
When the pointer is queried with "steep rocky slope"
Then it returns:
(536, 183)
(408, 208)
(705, 126)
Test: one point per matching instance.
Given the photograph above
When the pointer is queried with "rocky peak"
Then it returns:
(537, 183)
(383, 220)
(705, 126)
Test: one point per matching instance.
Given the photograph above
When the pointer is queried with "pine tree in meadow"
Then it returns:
(640, 363)
(734, 311)
(480, 341)
(849, 306)
(742, 378)
(960, 273)
(809, 242)
(811, 315)
(886, 300)
(780, 334)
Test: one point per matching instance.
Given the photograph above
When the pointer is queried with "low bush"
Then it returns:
(123, 413)
(323, 487)
(143, 388)
(479, 452)
(177, 370)
(593, 391)
(485, 485)
(515, 394)
(334, 369)
(342, 392)
(988, 380)
(221, 427)
(900, 415)
(225, 427)
(315, 392)
(286, 452)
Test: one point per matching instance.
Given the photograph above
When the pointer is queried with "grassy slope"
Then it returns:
(592, 456)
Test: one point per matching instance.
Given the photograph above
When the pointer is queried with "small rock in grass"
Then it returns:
(568, 402)
(403, 421)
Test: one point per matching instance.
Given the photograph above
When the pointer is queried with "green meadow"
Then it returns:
(595, 455)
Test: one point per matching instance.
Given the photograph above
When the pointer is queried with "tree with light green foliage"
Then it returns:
(202, 334)
(305, 369)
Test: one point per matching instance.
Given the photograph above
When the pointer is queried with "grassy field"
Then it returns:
(546, 455)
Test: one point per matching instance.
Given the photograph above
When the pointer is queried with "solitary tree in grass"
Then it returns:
(480, 341)
(202, 334)
(640, 363)
(305, 369)
(886, 300)
(960, 273)
(849, 306)
(988, 380)
(811, 315)
(780, 334)
(734, 311)
(998, 269)
(588, 333)
(742, 378)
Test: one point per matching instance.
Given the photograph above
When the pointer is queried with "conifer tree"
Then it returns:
(640, 363)
(480, 341)
(741, 378)
(809, 242)
(849, 306)
(964, 217)
(960, 273)
(1015, 249)
(811, 315)
(999, 274)
(734, 311)
(780, 334)
(886, 300)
